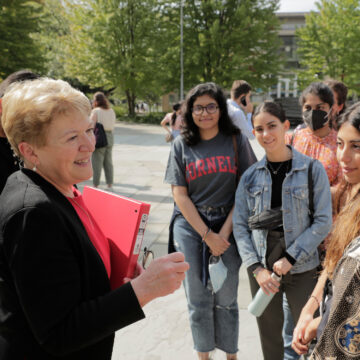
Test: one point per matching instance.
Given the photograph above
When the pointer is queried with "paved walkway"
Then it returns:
(140, 157)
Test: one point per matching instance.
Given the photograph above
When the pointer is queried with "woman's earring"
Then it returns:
(34, 168)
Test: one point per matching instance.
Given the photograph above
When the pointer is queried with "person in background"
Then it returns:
(55, 264)
(175, 121)
(318, 139)
(340, 91)
(203, 169)
(102, 157)
(338, 287)
(240, 107)
(9, 162)
(287, 246)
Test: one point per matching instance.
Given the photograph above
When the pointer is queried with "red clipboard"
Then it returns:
(123, 221)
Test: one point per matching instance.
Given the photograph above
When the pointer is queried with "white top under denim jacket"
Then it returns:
(253, 195)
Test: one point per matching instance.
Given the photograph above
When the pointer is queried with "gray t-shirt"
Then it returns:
(208, 168)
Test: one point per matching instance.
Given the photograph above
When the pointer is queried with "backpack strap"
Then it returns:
(311, 192)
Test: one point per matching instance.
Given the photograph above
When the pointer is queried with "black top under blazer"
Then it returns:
(55, 296)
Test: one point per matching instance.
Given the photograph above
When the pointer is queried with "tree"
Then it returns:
(112, 45)
(224, 40)
(329, 43)
(19, 21)
(135, 45)
(54, 28)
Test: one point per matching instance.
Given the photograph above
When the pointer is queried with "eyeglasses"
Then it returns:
(210, 109)
(148, 257)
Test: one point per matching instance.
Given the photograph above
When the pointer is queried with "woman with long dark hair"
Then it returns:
(315, 138)
(275, 226)
(338, 286)
(203, 169)
(175, 121)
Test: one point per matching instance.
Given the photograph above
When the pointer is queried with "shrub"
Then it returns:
(152, 118)
(120, 111)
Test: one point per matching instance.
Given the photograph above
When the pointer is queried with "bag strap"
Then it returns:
(98, 116)
(235, 145)
(311, 192)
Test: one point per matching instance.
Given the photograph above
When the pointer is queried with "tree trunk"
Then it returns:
(131, 101)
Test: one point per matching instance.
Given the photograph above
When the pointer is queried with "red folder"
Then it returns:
(123, 221)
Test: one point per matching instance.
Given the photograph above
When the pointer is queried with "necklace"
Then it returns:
(279, 167)
(277, 170)
(85, 212)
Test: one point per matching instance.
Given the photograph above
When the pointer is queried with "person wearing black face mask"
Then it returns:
(315, 119)
(317, 140)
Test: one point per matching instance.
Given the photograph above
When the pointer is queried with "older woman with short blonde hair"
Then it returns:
(30, 110)
(55, 264)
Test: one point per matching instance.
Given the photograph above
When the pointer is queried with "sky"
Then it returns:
(296, 5)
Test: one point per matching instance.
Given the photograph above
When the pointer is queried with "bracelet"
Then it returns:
(316, 299)
(255, 272)
(206, 234)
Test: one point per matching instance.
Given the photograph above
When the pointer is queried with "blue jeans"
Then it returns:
(288, 329)
(214, 318)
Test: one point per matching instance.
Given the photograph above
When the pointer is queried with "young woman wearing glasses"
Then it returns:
(203, 174)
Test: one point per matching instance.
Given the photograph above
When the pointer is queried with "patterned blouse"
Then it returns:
(322, 149)
(341, 335)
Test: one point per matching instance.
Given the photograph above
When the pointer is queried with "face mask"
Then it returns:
(315, 119)
(217, 272)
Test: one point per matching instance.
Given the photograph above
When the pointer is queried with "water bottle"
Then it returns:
(261, 300)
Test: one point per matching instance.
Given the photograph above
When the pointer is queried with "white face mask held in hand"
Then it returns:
(217, 271)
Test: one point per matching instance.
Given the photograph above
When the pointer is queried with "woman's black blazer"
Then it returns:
(55, 297)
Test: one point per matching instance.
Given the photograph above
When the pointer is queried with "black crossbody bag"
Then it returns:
(272, 218)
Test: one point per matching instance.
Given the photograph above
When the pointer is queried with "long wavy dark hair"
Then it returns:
(190, 130)
(347, 223)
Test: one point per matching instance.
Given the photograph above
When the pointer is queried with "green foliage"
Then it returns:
(135, 45)
(329, 43)
(223, 41)
(112, 45)
(54, 29)
(153, 118)
(20, 20)
(120, 111)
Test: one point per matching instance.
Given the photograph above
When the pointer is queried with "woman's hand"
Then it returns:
(269, 285)
(217, 244)
(298, 343)
(311, 330)
(138, 271)
(302, 339)
(282, 266)
(163, 276)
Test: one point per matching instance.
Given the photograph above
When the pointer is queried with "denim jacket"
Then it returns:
(253, 195)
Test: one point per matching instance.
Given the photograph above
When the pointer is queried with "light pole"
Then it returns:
(181, 52)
